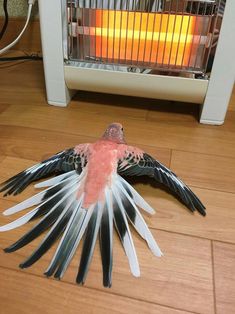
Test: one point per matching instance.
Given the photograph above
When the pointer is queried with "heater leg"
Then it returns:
(223, 72)
(51, 13)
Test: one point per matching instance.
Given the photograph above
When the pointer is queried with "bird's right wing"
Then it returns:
(65, 161)
(135, 162)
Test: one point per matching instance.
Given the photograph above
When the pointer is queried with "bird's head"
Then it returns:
(114, 133)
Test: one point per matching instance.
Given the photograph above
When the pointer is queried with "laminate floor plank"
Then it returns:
(205, 171)
(27, 294)
(181, 279)
(73, 120)
(191, 277)
(224, 261)
(173, 216)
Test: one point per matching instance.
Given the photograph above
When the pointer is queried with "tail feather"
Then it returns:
(64, 215)
(124, 233)
(106, 240)
(137, 198)
(45, 222)
(89, 243)
(76, 218)
(71, 241)
(48, 241)
(138, 222)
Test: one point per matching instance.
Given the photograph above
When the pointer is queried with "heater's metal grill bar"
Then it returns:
(172, 35)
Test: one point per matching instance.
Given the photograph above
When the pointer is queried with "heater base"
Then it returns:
(58, 104)
(212, 122)
(136, 84)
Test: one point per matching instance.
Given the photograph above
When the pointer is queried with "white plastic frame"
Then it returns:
(223, 72)
(51, 14)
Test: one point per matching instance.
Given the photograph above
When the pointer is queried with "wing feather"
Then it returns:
(61, 206)
(65, 161)
(137, 163)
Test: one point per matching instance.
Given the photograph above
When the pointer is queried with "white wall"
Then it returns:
(17, 8)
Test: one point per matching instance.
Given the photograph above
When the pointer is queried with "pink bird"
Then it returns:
(87, 197)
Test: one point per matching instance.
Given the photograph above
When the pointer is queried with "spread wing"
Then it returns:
(65, 161)
(137, 163)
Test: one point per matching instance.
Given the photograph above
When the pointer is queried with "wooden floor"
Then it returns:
(197, 272)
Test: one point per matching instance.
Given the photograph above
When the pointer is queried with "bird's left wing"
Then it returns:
(134, 162)
(65, 161)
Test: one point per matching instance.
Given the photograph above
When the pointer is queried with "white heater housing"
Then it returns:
(63, 78)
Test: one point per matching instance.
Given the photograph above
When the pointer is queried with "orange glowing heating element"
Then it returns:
(142, 37)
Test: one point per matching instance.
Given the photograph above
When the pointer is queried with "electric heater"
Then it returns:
(165, 49)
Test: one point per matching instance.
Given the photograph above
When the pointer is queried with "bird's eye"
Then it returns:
(122, 129)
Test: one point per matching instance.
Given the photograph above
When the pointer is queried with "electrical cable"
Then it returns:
(30, 5)
(6, 19)
(30, 57)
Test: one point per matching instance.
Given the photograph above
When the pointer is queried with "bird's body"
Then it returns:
(104, 156)
(89, 197)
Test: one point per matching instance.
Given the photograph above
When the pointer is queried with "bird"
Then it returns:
(87, 198)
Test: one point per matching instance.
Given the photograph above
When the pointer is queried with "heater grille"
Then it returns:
(172, 35)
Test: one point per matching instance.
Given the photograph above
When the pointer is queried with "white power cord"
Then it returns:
(30, 5)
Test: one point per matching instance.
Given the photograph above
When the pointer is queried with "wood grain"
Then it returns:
(2, 157)
(90, 115)
(36, 297)
(172, 215)
(36, 144)
(181, 281)
(3, 107)
(182, 269)
(96, 104)
(177, 112)
(28, 78)
(205, 171)
(30, 41)
(224, 261)
(137, 131)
